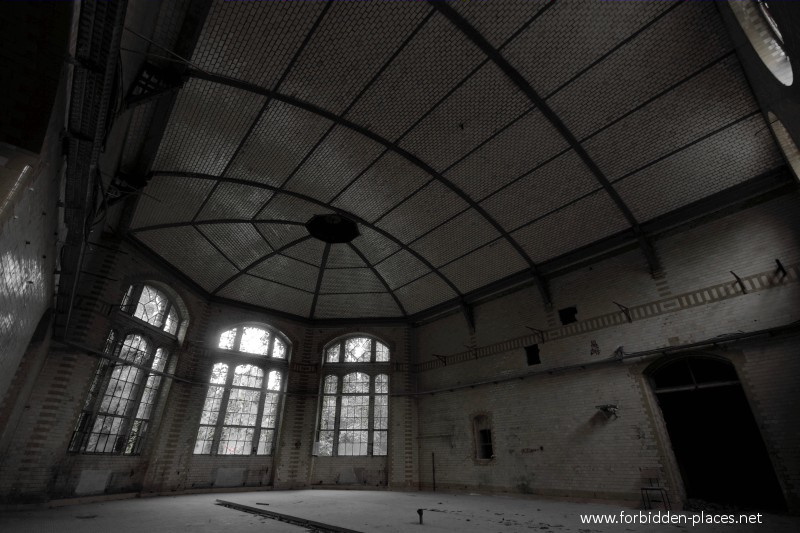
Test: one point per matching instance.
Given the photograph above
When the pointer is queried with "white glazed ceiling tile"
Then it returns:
(424, 292)
(338, 160)
(356, 306)
(345, 280)
(485, 265)
(374, 245)
(283, 136)
(240, 243)
(341, 255)
(288, 207)
(353, 41)
(278, 235)
(309, 251)
(429, 207)
(688, 38)
(435, 60)
(713, 165)
(576, 225)
(571, 35)
(263, 293)
(234, 41)
(205, 127)
(498, 21)
(713, 100)
(521, 147)
(486, 102)
(400, 268)
(234, 201)
(560, 181)
(455, 238)
(382, 186)
(170, 199)
(189, 252)
(288, 271)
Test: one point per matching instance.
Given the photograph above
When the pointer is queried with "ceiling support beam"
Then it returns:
(405, 154)
(516, 77)
(320, 203)
(322, 264)
(257, 262)
(380, 278)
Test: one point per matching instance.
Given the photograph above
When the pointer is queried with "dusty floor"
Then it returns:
(363, 511)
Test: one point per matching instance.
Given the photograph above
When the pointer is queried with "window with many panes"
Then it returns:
(354, 404)
(240, 413)
(117, 412)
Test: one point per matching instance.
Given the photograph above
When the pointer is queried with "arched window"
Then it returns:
(354, 408)
(240, 414)
(117, 411)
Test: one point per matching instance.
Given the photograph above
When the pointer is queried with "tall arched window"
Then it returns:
(117, 411)
(354, 407)
(240, 413)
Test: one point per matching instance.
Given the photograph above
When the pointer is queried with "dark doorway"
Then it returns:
(715, 438)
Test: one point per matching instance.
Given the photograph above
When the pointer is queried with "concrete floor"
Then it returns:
(364, 511)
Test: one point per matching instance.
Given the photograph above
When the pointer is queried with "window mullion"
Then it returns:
(337, 418)
(130, 413)
(223, 409)
(260, 412)
(370, 413)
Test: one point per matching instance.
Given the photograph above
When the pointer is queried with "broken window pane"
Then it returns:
(171, 324)
(254, 340)
(279, 349)
(331, 383)
(356, 382)
(381, 353)
(380, 444)
(151, 306)
(357, 350)
(326, 443)
(227, 339)
(332, 354)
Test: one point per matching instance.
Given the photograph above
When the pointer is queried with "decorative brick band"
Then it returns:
(715, 293)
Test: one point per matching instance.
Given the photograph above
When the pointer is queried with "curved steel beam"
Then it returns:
(380, 278)
(314, 201)
(341, 121)
(257, 262)
(216, 221)
(522, 84)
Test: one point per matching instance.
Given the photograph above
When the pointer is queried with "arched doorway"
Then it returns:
(717, 443)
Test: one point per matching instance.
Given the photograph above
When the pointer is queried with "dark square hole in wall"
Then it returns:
(532, 353)
(568, 315)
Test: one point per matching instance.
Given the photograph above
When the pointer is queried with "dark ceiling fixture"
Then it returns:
(332, 228)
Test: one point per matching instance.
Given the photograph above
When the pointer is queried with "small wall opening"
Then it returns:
(532, 354)
(484, 451)
(718, 446)
(568, 315)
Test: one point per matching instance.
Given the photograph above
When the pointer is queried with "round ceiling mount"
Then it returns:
(332, 228)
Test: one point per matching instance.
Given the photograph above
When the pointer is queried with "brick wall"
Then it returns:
(549, 437)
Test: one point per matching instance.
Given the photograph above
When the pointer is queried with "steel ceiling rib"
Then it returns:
(258, 262)
(363, 90)
(341, 121)
(380, 278)
(353, 217)
(264, 107)
(217, 221)
(319, 279)
(514, 75)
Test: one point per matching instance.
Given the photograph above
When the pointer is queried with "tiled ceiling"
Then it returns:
(470, 141)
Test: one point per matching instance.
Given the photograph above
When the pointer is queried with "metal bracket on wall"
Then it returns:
(625, 310)
(441, 358)
(539, 333)
(740, 282)
(781, 270)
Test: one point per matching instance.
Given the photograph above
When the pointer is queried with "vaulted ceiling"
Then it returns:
(471, 142)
